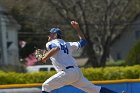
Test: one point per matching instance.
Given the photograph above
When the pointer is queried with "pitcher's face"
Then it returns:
(52, 36)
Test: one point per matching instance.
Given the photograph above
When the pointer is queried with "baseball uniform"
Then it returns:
(68, 72)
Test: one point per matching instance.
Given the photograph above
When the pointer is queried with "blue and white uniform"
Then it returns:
(64, 57)
(68, 71)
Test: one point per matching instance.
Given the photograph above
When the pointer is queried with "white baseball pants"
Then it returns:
(71, 76)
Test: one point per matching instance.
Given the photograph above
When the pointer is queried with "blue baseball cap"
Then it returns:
(55, 30)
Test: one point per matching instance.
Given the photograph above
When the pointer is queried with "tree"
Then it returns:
(33, 17)
(102, 21)
(36, 17)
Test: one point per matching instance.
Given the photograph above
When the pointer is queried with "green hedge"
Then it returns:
(112, 73)
(133, 57)
(108, 73)
(24, 78)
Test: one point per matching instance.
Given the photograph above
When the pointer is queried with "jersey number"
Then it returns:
(64, 48)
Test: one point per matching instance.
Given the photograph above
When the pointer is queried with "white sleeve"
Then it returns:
(50, 45)
(74, 45)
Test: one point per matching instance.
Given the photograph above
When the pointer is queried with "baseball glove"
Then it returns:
(39, 54)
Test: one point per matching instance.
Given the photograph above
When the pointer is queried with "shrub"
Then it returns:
(24, 78)
(107, 73)
(116, 63)
(133, 57)
(112, 73)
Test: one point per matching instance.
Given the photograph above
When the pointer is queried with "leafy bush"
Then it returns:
(133, 57)
(107, 73)
(24, 78)
(112, 73)
(116, 63)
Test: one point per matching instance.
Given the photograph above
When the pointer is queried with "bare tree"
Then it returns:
(102, 21)
(33, 17)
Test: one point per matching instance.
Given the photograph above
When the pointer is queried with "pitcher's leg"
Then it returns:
(54, 82)
(59, 80)
(86, 86)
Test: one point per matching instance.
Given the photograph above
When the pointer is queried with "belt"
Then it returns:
(69, 67)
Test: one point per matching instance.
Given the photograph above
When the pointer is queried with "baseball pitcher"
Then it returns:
(68, 72)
